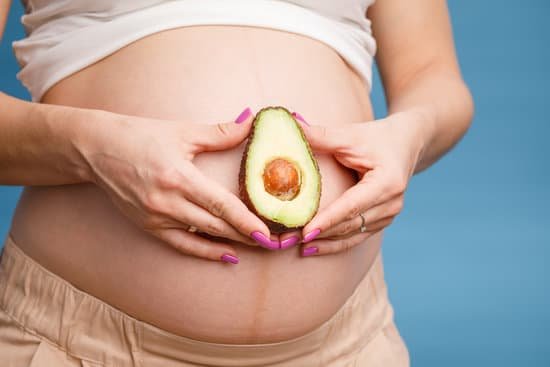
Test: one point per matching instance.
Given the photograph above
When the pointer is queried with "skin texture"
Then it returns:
(84, 233)
(116, 231)
(417, 62)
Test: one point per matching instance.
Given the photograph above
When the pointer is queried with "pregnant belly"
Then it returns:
(202, 75)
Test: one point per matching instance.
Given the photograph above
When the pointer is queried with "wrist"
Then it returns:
(85, 137)
(419, 126)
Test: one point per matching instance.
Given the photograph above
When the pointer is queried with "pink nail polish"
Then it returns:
(228, 258)
(310, 251)
(289, 242)
(264, 241)
(297, 116)
(244, 115)
(311, 235)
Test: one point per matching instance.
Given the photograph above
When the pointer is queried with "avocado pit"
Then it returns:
(282, 179)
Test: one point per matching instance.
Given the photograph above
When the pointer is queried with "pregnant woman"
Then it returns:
(130, 245)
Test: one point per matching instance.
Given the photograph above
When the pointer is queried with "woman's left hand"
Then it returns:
(384, 153)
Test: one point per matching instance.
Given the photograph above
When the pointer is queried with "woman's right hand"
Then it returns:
(145, 166)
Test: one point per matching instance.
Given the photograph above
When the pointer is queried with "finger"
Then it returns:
(187, 212)
(223, 204)
(373, 227)
(329, 246)
(357, 199)
(191, 244)
(342, 229)
(222, 136)
(380, 224)
(384, 210)
(325, 139)
(289, 239)
(300, 118)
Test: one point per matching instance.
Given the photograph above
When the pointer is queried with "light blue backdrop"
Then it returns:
(467, 261)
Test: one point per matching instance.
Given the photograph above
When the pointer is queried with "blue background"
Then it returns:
(467, 261)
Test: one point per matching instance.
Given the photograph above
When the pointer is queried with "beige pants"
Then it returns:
(47, 322)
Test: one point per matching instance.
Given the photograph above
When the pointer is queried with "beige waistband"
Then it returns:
(90, 329)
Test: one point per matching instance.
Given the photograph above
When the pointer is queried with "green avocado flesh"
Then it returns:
(280, 179)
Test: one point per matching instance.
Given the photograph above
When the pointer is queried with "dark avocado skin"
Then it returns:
(274, 227)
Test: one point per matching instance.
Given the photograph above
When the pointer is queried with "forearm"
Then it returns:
(38, 143)
(441, 108)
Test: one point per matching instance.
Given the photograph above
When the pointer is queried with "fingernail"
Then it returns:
(291, 241)
(244, 115)
(228, 258)
(264, 241)
(309, 251)
(311, 235)
(297, 116)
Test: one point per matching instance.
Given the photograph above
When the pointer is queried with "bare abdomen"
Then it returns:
(202, 75)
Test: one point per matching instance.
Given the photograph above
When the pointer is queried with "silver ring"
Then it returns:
(192, 229)
(363, 228)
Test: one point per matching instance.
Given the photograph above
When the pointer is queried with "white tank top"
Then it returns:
(64, 36)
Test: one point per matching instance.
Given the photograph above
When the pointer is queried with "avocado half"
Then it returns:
(279, 178)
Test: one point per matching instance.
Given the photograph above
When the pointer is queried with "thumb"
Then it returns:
(325, 139)
(225, 135)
